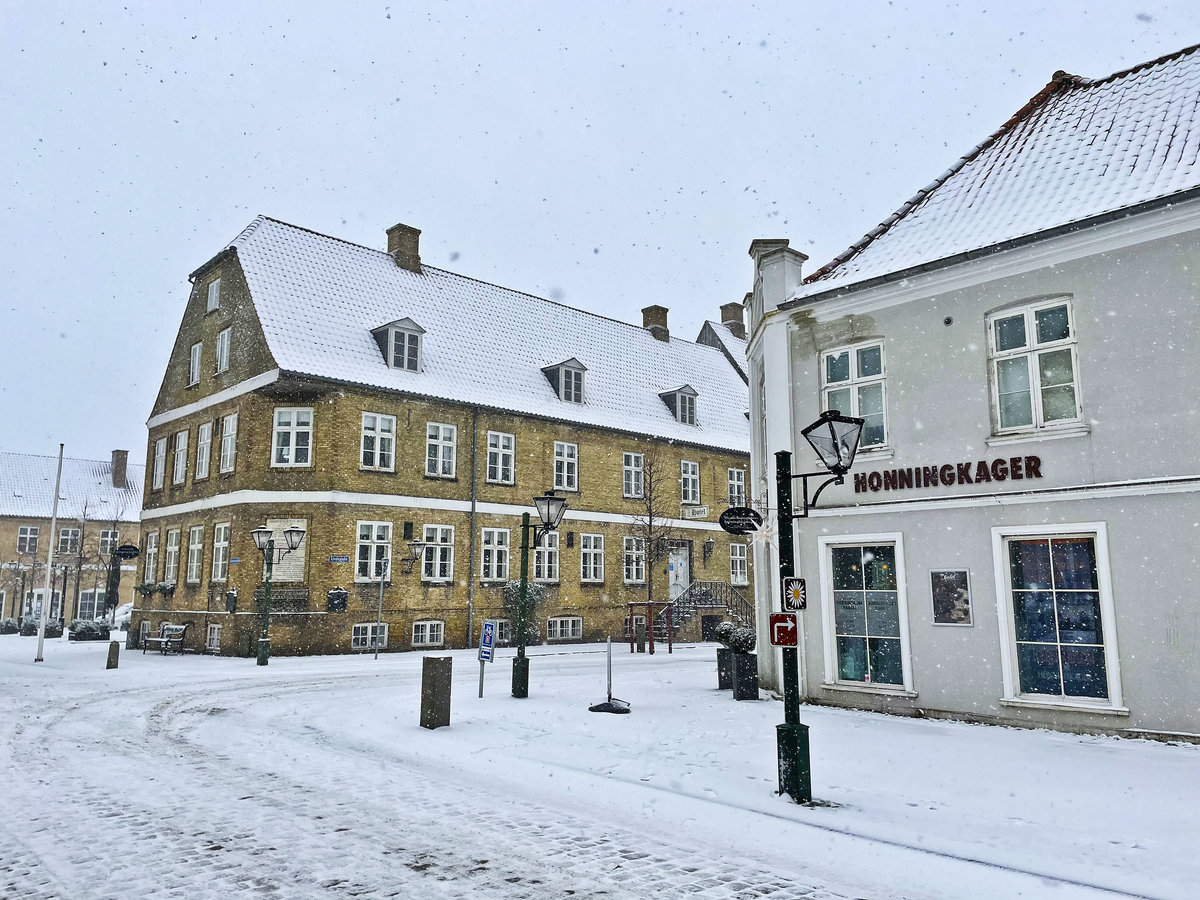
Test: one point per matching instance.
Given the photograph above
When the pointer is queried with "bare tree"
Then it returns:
(652, 523)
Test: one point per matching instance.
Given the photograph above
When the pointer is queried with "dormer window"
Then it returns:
(400, 343)
(682, 403)
(567, 379)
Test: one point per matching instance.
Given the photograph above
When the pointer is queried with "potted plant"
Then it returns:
(146, 588)
(745, 663)
(724, 657)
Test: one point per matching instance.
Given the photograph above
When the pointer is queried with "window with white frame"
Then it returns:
(292, 439)
(438, 564)
(406, 350)
(687, 409)
(224, 336)
(179, 470)
(572, 385)
(68, 540)
(378, 442)
(739, 571)
(27, 539)
(368, 636)
(150, 560)
(564, 628)
(635, 560)
(33, 603)
(503, 631)
(566, 466)
(220, 563)
(229, 442)
(1057, 615)
(689, 482)
(429, 633)
(194, 364)
(212, 639)
(545, 558)
(866, 617)
(160, 463)
(109, 538)
(494, 562)
(631, 624)
(195, 555)
(632, 471)
(214, 295)
(203, 450)
(591, 557)
(501, 458)
(440, 443)
(91, 605)
(737, 487)
(374, 551)
(143, 632)
(852, 382)
(1033, 366)
(171, 557)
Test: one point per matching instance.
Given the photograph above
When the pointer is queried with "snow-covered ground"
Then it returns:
(210, 777)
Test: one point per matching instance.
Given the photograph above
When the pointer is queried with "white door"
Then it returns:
(680, 571)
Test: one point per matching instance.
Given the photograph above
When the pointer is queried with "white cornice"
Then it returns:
(242, 387)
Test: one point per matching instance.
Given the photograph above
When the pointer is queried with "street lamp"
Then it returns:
(550, 509)
(416, 549)
(835, 439)
(264, 540)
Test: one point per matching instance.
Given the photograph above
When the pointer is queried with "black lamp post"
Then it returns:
(264, 540)
(550, 509)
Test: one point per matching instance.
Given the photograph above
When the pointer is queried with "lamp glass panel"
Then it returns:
(261, 537)
(293, 537)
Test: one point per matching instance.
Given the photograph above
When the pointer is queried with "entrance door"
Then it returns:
(708, 627)
(680, 570)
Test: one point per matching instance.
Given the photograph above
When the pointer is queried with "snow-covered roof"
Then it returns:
(27, 488)
(319, 298)
(1079, 149)
(719, 335)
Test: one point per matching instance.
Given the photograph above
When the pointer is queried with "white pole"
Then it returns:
(49, 559)
(379, 616)
(610, 670)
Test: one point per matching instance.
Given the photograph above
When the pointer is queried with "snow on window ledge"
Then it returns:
(1041, 434)
(863, 688)
(1081, 705)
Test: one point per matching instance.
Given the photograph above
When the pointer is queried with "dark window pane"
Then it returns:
(883, 614)
(1053, 324)
(886, 667)
(847, 569)
(879, 568)
(1038, 667)
(1029, 563)
(848, 612)
(1074, 563)
(1083, 672)
(870, 361)
(1033, 614)
(852, 658)
(1010, 332)
(837, 368)
(1079, 618)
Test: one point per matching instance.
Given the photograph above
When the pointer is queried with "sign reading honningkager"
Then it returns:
(1014, 468)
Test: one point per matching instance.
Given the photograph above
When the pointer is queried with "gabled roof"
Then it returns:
(716, 334)
(318, 298)
(27, 489)
(1078, 150)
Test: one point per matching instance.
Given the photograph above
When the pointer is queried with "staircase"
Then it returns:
(706, 595)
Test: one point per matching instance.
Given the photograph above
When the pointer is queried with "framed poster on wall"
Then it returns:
(951, 589)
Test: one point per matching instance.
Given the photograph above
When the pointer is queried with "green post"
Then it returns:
(264, 642)
(795, 766)
(520, 674)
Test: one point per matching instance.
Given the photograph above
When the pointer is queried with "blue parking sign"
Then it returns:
(487, 640)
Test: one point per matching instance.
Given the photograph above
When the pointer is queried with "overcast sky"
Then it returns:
(607, 155)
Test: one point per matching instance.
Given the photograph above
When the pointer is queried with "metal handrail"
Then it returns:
(705, 594)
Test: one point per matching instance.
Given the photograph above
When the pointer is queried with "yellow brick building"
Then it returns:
(374, 401)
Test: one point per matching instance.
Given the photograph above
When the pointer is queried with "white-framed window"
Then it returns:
(68, 540)
(689, 482)
(632, 471)
(214, 295)
(852, 382)
(631, 624)
(739, 571)
(635, 560)
(374, 551)
(440, 443)
(143, 632)
(203, 450)
(438, 564)
(195, 556)
(179, 469)
(1056, 615)
(109, 539)
(687, 409)
(171, 557)
(428, 633)
(494, 562)
(33, 603)
(194, 364)
(406, 350)
(591, 557)
(27, 539)
(292, 439)
(229, 442)
(212, 639)
(501, 458)
(160, 463)
(545, 558)
(220, 564)
(564, 628)
(865, 611)
(91, 605)
(571, 386)
(1033, 366)
(378, 442)
(566, 466)
(737, 487)
(368, 636)
(503, 632)
(224, 336)
(150, 560)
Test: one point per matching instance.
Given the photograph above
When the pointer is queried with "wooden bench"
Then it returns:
(170, 638)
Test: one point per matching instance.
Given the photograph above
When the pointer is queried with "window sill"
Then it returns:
(1041, 434)
(501, 483)
(875, 454)
(429, 477)
(869, 689)
(1072, 705)
(377, 471)
(591, 584)
(276, 465)
(425, 583)
(191, 384)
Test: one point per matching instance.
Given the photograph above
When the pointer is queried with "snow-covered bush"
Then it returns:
(9, 626)
(535, 597)
(85, 630)
(29, 627)
(737, 638)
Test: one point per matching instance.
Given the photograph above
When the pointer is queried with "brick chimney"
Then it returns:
(654, 320)
(731, 318)
(404, 245)
(120, 467)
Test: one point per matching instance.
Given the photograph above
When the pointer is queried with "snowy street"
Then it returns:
(211, 777)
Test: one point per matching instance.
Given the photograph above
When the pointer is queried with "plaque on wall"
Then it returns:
(951, 596)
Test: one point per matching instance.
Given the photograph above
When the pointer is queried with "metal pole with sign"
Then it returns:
(487, 647)
(795, 765)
